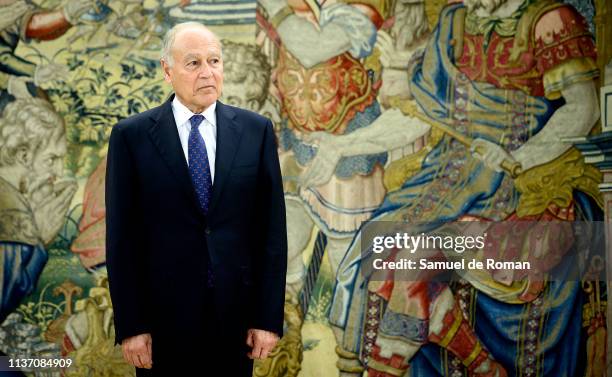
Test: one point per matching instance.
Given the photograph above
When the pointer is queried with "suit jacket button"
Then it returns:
(207, 230)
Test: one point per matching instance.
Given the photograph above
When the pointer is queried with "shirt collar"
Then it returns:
(182, 113)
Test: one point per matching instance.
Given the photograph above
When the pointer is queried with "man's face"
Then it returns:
(49, 159)
(197, 72)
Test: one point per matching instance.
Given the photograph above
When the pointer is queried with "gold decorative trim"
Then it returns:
(525, 30)
(385, 368)
(458, 32)
(346, 354)
(568, 73)
(383, 7)
(473, 355)
(560, 42)
(453, 330)
(603, 33)
(349, 369)
(280, 16)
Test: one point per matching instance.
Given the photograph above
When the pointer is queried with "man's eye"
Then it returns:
(192, 63)
(214, 61)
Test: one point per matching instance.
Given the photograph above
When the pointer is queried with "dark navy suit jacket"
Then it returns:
(159, 242)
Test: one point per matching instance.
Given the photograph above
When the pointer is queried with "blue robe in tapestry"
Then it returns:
(451, 184)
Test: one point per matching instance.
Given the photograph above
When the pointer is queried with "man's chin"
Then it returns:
(204, 101)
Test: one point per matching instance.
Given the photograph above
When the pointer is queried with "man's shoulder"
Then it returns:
(137, 121)
(559, 22)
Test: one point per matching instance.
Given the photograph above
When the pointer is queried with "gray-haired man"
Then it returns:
(196, 234)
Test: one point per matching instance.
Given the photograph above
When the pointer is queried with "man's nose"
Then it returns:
(58, 169)
(205, 71)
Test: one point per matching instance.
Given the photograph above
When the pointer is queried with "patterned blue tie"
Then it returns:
(199, 167)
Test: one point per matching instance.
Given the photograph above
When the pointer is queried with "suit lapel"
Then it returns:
(228, 139)
(164, 135)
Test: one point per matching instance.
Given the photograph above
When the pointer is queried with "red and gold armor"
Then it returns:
(557, 36)
(326, 96)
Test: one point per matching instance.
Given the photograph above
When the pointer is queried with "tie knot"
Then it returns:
(196, 120)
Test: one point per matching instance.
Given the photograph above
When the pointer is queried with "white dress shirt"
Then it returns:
(208, 130)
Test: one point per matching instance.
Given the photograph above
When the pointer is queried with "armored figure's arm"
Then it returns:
(575, 118)
(389, 131)
(340, 28)
(565, 55)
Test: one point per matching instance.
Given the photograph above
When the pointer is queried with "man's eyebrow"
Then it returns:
(191, 56)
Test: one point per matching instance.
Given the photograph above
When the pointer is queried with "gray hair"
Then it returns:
(27, 123)
(170, 36)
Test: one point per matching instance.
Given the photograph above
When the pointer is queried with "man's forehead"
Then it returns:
(199, 53)
(53, 147)
(195, 38)
(59, 139)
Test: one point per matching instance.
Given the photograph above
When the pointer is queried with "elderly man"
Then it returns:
(516, 76)
(196, 229)
(245, 85)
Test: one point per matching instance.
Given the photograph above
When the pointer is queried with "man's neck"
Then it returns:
(192, 108)
(504, 11)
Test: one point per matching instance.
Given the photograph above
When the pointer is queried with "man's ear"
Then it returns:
(24, 156)
(166, 69)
